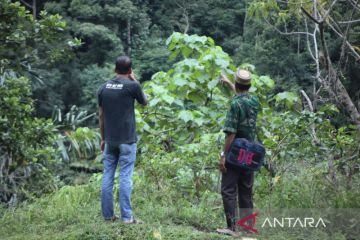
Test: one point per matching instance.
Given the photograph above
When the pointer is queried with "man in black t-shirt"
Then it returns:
(118, 137)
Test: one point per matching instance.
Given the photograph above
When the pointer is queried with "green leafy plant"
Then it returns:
(26, 144)
(181, 127)
(80, 144)
(76, 142)
(26, 41)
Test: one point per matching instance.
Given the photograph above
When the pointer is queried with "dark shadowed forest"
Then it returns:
(304, 57)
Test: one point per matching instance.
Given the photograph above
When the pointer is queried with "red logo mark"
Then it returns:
(242, 222)
(245, 156)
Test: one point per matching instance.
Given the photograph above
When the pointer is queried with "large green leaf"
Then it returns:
(223, 63)
(289, 98)
(185, 115)
(212, 84)
(180, 81)
(195, 96)
(167, 98)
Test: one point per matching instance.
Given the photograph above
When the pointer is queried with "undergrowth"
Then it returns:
(73, 212)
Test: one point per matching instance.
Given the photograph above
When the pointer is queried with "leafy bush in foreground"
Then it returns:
(26, 144)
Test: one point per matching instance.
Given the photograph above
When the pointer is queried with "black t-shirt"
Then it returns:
(116, 97)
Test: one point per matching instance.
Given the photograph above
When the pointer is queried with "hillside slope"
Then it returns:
(73, 212)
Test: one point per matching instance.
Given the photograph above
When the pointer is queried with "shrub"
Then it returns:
(26, 144)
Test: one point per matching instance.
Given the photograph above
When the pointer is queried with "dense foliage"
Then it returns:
(26, 144)
(140, 28)
(182, 131)
(304, 61)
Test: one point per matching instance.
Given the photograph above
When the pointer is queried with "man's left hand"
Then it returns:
(102, 145)
(222, 164)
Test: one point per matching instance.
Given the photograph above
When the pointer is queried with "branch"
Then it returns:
(307, 100)
(349, 158)
(26, 4)
(354, 4)
(342, 55)
(312, 126)
(310, 16)
(341, 35)
(294, 3)
(287, 33)
(308, 41)
(329, 10)
(318, 91)
(186, 17)
(347, 22)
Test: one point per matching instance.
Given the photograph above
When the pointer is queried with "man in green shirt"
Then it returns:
(240, 122)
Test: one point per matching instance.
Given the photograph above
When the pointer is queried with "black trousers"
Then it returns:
(237, 184)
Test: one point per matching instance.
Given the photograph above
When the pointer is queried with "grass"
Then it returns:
(73, 212)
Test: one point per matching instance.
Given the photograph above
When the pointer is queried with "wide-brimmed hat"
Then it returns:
(243, 77)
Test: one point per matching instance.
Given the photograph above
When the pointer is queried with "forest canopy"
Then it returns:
(304, 57)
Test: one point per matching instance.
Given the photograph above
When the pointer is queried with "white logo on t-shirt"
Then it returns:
(114, 86)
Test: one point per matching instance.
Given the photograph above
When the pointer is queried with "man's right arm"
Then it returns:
(101, 125)
(139, 93)
(140, 96)
(101, 120)
(226, 81)
(230, 128)
(145, 99)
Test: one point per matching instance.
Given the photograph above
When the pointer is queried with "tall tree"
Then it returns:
(26, 143)
(320, 22)
(32, 5)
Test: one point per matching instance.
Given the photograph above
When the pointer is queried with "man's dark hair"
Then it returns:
(242, 87)
(123, 65)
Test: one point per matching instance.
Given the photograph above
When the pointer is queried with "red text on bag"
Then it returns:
(245, 156)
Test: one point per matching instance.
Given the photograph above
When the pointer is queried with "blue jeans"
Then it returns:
(125, 155)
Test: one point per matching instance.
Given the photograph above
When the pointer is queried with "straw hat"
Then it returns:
(243, 77)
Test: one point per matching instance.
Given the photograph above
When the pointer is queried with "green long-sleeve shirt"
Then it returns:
(241, 117)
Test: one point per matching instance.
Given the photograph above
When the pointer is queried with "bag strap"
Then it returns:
(247, 115)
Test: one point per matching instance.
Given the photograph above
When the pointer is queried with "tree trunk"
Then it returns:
(337, 86)
(345, 100)
(31, 6)
(129, 37)
(34, 8)
(331, 82)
